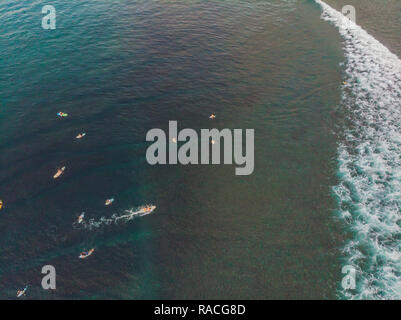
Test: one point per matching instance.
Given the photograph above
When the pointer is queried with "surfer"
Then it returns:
(81, 135)
(1, 204)
(62, 114)
(81, 217)
(109, 201)
(59, 173)
(86, 254)
(148, 209)
(141, 212)
(21, 292)
(212, 116)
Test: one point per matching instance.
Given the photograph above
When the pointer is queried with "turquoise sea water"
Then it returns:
(121, 68)
(368, 194)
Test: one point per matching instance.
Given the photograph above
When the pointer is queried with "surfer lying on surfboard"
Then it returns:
(109, 202)
(148, 209)
(21, 292)
(81, 135)
(59, 173)
(86, 254)
(81, 217)
(141, 212)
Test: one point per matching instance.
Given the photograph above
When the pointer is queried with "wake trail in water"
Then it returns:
(115, 219)
(369, 192)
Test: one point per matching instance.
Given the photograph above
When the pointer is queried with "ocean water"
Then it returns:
(369, 161)
(324, 192)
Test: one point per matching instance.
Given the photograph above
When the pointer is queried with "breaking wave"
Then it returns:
(369, 192)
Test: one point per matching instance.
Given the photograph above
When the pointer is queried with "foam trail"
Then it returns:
(114, 219)
(369, 192)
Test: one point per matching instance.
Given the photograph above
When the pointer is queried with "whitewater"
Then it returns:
(130, 214)
(369, 162)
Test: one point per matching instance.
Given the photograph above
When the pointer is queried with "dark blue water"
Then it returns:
(120, 68)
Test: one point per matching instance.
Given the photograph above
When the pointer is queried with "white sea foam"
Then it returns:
(369, 192)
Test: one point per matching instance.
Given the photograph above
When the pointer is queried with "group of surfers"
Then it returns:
(108, 202)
